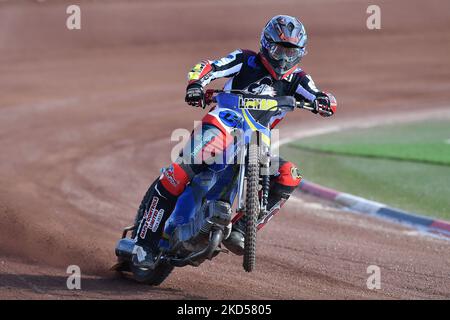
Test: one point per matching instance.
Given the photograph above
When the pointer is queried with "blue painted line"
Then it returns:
(404, 216)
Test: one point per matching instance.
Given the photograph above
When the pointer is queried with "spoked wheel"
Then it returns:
(151, 277)
(252, 207)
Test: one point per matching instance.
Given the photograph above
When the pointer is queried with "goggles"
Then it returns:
(279, 52)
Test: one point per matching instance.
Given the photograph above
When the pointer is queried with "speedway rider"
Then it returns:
(273, 71)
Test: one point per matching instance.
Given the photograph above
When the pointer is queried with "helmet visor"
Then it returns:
(289, 54)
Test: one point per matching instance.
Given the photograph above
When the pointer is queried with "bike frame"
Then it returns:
(234, 113)
(249, 118)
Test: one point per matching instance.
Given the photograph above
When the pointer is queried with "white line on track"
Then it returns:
(295, 133)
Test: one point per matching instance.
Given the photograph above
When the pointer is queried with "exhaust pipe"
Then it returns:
(194, 259)
(125, 246)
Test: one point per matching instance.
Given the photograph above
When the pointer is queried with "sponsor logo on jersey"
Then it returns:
(262, 87)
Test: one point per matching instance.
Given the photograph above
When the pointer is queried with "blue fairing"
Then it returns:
(208, 185)
(215, 183)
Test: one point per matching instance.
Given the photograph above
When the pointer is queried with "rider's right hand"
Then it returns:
(195, 95)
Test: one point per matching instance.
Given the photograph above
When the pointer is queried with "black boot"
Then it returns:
(160, 205)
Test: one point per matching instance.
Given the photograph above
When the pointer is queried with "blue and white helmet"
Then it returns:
(283, 45)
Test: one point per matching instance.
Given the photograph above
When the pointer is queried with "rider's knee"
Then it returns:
(175, 178)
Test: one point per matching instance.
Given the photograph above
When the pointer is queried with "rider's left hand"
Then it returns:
(325, 104)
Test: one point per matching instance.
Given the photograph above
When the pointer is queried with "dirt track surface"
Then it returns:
(85, 124)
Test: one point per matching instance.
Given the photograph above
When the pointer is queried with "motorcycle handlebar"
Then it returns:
(305, 105)
(312, 107)
(209, 98)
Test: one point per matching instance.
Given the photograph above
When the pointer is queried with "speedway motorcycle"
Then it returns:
(203, 215)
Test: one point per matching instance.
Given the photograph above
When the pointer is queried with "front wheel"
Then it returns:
(252, 208)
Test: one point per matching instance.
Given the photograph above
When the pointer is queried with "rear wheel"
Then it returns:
(252, 208)
(151, 277)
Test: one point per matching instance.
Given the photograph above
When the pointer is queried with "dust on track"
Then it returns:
(85, 121)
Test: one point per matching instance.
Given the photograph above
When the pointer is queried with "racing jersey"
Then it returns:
(247, 73)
